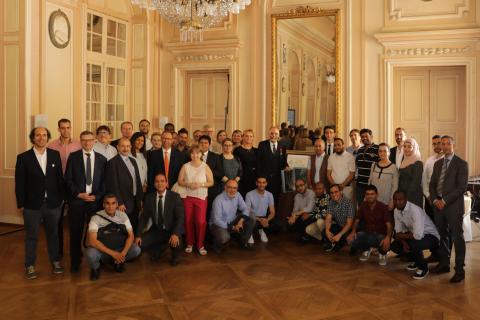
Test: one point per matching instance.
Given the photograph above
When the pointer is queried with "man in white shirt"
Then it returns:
(102, 145)
(414, 232)
(105, 246)
(341, 169)
(428, 170)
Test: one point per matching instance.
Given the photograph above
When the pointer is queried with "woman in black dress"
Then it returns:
(410, 172)
(248, 158)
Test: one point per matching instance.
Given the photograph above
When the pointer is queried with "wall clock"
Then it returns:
(59, 29)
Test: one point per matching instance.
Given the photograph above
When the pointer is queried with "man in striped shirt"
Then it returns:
(366, 155)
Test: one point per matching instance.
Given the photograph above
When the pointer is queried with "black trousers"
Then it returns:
(300, 225)
(335, 229)
(60, 228)
(79, 213)
(416, 249)
(154, 241)
(450, 227)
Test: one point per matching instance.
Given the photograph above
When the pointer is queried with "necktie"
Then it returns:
(131, 169)
(329, 151)
(88, 173)
(203, 157)
(274, 147)
(442, 177)
(166, 164)
(159, 216)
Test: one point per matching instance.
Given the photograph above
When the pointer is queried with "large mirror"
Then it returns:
(306, 68)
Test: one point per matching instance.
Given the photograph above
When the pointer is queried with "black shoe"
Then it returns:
(74, 268)
(94, 274)
(432, 259)
(420, 274)
(438, 269)
(119, 267)
(329, 247)
(57, 267)
(457, 277)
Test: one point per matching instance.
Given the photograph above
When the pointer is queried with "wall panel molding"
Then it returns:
(415, 10)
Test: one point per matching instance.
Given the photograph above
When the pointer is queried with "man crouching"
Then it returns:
(110, 237)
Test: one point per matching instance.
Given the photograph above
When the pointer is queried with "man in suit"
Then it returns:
(85, 180)
(329, 134)
(271, 159)
(448, 184)
(396, 153)
(126, 128)
(123, 180)
(39, 189)
(317, 169)
(214, 161)
(165, 209)
(166, 160)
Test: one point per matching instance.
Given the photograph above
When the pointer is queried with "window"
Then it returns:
(105, 94)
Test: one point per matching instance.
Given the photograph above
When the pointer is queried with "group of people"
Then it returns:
(146, 192)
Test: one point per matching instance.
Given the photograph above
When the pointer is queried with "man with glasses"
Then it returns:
(85, 180)
(230, 218)
(102, 146)
(339, 219)
(303, 204)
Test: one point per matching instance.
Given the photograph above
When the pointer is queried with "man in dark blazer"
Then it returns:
(271, 159)
(396, 153)
(448, 184)
(123, 180)
(317, 172)
(165, 158)
(85, 180)
(39, 189)
(165, 210)
(214, 161)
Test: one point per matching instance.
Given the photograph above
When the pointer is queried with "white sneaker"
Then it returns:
(365, 255)
(382, 259)
(263, 235)
(251, 241)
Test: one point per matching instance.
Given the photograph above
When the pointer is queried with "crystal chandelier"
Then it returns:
(193, 16)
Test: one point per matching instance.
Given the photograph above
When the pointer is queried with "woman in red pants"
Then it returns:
(196, 177)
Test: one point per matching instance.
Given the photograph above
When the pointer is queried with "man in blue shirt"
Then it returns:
(230, 217)
(260, 202)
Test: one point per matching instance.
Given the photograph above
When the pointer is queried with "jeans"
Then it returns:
(33, 219)
(416, 249)
(366, 240)
(94, 256)
(221, 235)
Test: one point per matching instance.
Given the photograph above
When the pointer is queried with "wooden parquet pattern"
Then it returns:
(278, 280)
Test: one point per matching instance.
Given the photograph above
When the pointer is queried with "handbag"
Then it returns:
(182, 191)
(113, 235)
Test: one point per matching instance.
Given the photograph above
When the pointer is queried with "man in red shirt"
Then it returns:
(377, 227)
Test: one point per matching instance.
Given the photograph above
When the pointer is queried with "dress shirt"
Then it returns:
(318, 164)
(327, 145)
(88, 188)
(148, 143)
(65, 150)
(341, 210)
(105, 150)
(259, 203)
(274, 146)
(304, 201)
(399, 156)
(169, 154)
(449, 158)
(427, 173)
(164, 194)
(205, 156)
(224, 209)
(42, 161)
(414, 219)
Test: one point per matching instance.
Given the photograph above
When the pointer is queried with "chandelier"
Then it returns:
(193, 16)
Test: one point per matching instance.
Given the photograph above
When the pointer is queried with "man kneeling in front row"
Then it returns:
(164, 208)
(230, 217)
(110, 238)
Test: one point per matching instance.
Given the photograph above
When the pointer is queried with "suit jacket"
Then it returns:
(323, 171)
(393, 155)
(157, 165)
(31, 183)
(76, 180)
(114, 143)
(214, 161)
(270, 164)
(173, 213)
(454, 184)
(119, 182)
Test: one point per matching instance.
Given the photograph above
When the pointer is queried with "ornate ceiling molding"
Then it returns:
(205, 57)
(427, 51)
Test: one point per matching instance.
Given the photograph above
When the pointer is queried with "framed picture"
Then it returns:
(291, 116)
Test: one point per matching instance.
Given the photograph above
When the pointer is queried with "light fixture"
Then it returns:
(193, 16)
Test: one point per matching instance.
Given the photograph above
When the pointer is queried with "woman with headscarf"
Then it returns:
(410, 172)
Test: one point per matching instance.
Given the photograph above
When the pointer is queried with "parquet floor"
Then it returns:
(279, 280)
